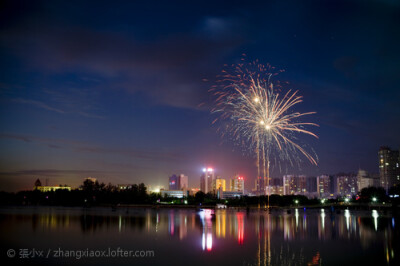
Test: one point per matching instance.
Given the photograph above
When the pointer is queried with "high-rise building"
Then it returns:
(346, 185)
(302, 185)
(323, 186)
(289, 185)
(206, 180)
(183, 182)
(311, 185)
(259, 186)
(178, 182)
(364, 180)
(237, 184)
(389, 167)
(294, 185)
(278, 190)
(173, 182)
(219, 184)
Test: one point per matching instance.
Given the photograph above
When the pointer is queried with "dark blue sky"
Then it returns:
(111, 89)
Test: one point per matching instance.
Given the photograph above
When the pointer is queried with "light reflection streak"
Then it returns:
(240, 226)
(323, 218)
(347, 215)
(206, 220)
(375, 215)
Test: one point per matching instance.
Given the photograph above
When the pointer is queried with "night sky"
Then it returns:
(111, 89)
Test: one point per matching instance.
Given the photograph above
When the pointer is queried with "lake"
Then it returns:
(146, 236)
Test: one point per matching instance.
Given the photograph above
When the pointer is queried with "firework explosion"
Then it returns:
(259, 116)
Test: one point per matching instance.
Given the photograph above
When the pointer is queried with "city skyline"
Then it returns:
(120, 93)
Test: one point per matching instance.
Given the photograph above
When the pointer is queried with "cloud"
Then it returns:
(72, 101)
(54, 172)
(39, 105)
(147, 154)
(169, 68)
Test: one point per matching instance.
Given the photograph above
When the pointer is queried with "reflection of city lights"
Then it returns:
(209, 241)
(240, 224)
(375, 215)
(323, 218)
(171, 221)
(347, 215)
(205, 216)
(296, 214)
(220, 223)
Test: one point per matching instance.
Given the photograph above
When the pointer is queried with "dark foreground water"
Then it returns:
(72, 236)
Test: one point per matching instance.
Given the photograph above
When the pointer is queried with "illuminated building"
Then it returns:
(294, 185)
(302, 184)
(277, 190)
(231, 194)
(323, 186)
(124, 186)
(260, 184)
(237, 184)
(173, 193)
(52, 188)
(206, 180)
(183, 182)
(178, 182)
(389, 167)
(219, 184)
(38, 186)
(346, 185)
(364, 180)
(173, 182)
(288, 185)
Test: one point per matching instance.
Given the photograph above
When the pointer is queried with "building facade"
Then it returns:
(237, 184)
(323, 186)
(178, 182)
(206, 180)
(219, 184)
(346, 185)
(389, 167)
(294, 185)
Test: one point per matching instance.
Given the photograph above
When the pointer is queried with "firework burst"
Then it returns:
(259, 116)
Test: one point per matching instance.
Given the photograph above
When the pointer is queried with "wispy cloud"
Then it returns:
(39, 105)
(54, 172)
(82, 147)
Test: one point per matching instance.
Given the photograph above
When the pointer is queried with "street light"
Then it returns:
(296, 201)
(346, 200)
(374, 199)
(323, 201)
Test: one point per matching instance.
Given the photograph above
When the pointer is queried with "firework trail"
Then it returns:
(259, 116)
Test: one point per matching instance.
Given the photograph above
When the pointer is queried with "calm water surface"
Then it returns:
(202, 237)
